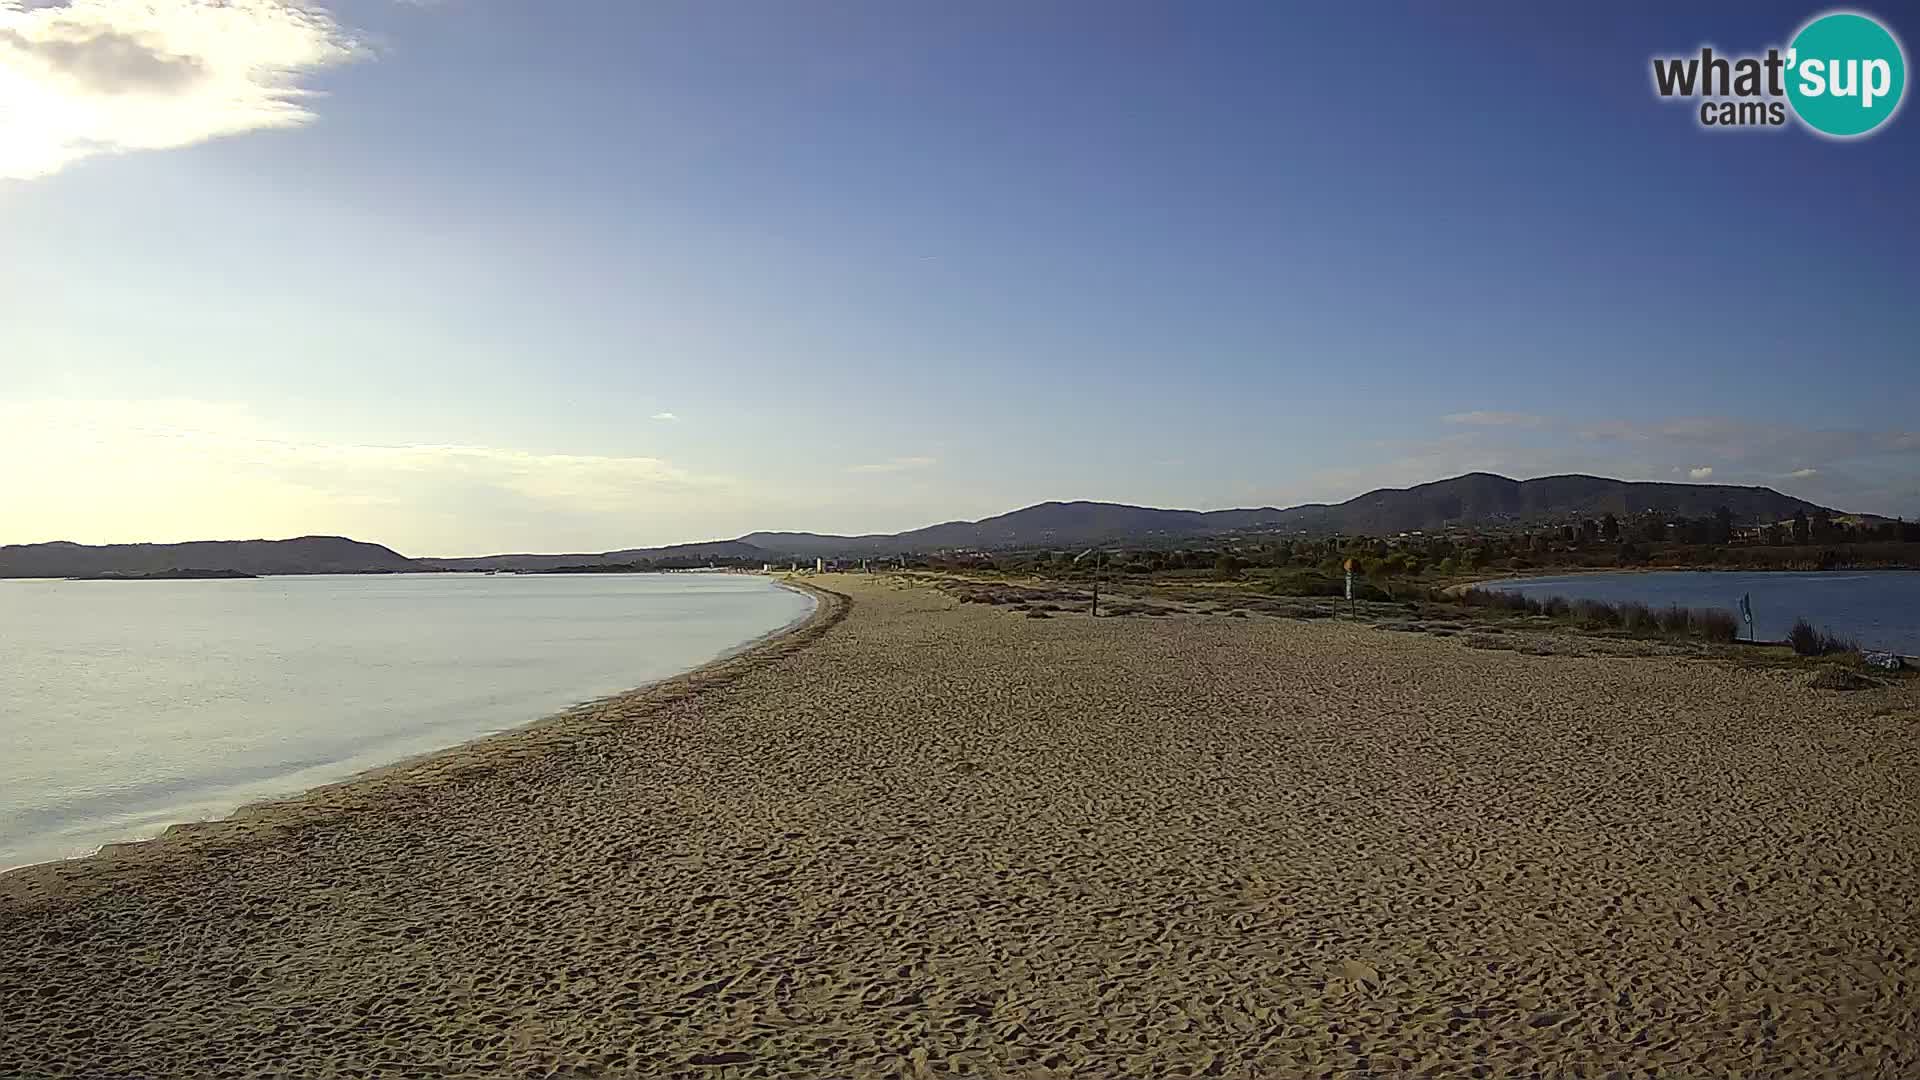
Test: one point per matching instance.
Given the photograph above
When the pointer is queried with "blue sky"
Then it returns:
(474, 276)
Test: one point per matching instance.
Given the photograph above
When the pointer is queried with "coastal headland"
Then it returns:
(917, 837)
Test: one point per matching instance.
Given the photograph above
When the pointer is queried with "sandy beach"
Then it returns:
(916, 837)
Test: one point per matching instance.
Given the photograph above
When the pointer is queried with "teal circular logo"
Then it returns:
(1845, 74)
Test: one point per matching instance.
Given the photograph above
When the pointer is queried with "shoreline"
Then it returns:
(1586, 571)
(920, 835)
(30, 884)
(1458, 590)
(1466, 586)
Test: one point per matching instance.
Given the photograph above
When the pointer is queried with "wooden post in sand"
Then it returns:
(1097, 554)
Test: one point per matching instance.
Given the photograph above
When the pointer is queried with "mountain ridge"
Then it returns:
(297, 555)
(1472, 499)
(709, 549)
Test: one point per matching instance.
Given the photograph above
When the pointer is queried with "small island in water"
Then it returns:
(163, 575)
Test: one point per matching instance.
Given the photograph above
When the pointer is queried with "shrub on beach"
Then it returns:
(1807, 641)
(1804, 638)
(1307, 581)
(1834, 643)
(1595, 615)
(1304, 582)
(1706, 624)
(1674, 620)
(1505, 601)
(1712, 624)
(1635, 617)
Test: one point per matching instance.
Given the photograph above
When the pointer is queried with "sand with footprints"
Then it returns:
(921, 838)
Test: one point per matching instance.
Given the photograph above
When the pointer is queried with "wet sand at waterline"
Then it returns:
(918, 838)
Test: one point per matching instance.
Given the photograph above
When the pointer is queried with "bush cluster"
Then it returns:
(1706, 624)
(1807, 641)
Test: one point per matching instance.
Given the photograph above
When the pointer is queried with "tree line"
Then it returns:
(1807, 541)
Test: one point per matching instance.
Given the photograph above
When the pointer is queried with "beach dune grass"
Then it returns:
(1702, 624)
(1808, 641)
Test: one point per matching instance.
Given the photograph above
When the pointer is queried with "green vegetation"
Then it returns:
(643, 566)
(1314, 565)
(1310, 581)
(1703, 624)
(1492, 618)
(1807, 641)
(1302, 581)
(1429, 569)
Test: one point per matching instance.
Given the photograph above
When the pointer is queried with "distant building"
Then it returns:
(819, 566)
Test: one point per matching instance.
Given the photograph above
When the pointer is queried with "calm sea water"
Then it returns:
(1880, 608)
(128, 706)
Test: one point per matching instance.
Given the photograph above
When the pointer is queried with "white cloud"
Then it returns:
(664, 416)
(1492, 418)
(1802, 474)
(1700, 473)
(91, 77)
(899, 464)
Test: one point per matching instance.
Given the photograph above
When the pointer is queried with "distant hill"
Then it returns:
(1486, 499)
(1049, 523)
(712, 549)
(509, 562)
(170, 575)
(301, 555)
(1476, 499)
